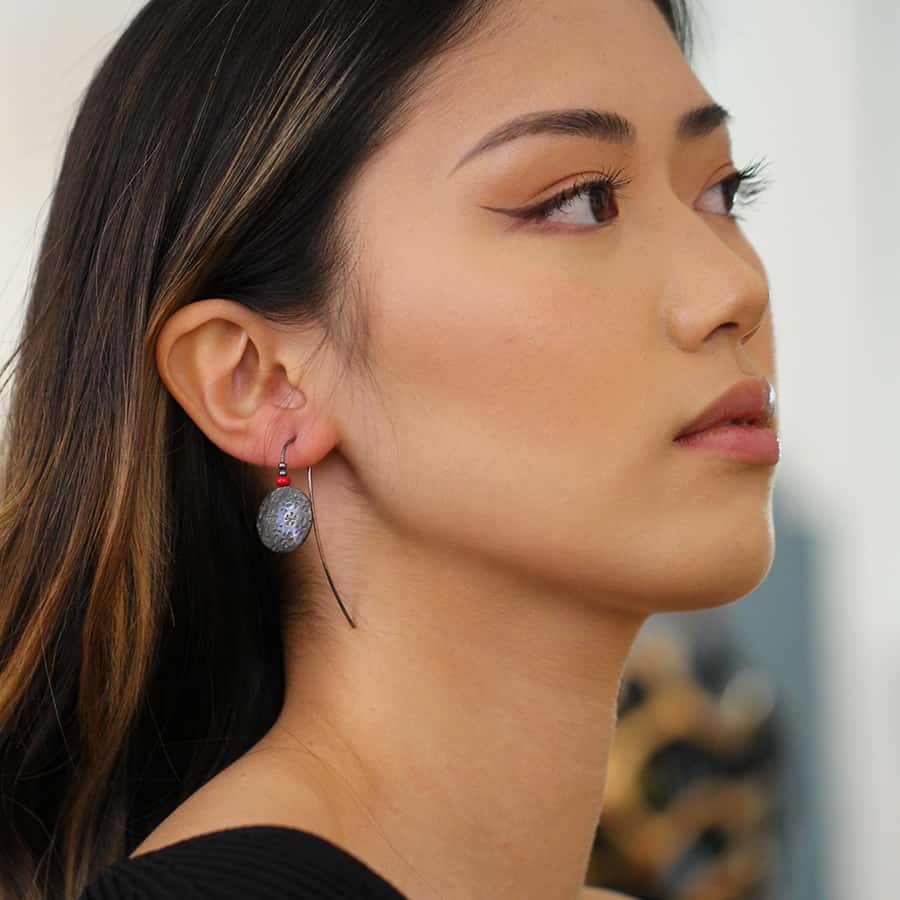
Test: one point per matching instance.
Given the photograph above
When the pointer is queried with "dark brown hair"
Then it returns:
(140, 643)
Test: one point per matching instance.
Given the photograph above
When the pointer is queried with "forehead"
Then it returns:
(617, 55)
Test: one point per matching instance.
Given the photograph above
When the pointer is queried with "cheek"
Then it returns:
(760, 348)
(518, 386)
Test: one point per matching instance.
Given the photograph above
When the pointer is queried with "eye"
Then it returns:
(719, 199)
(744, 185)
(587, 203)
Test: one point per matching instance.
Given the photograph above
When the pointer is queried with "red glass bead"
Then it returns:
(283, 480)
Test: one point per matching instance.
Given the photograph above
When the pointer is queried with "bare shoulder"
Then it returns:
(246, 794)
(596, 893)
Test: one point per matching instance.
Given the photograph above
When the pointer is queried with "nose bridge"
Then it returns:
(712, 287)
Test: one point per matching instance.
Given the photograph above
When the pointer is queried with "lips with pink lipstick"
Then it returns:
(738, 424)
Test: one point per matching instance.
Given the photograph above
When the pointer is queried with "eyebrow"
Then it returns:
(596, 124)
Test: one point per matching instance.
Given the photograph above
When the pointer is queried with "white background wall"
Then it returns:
(812, 85)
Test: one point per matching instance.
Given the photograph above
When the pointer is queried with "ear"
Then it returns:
(228, 368)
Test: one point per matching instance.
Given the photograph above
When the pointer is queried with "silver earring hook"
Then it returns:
(282, 464)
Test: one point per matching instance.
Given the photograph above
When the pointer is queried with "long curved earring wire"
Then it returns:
(268, 519)
(319, 544)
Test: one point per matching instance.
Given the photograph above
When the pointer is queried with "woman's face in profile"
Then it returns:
(534, 367)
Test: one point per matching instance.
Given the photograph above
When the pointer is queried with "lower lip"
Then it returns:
(747, 443)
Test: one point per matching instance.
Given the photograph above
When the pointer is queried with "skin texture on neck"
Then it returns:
(441, 724)
(454, 725)
(509, 507)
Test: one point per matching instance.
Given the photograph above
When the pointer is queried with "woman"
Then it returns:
(476, 263)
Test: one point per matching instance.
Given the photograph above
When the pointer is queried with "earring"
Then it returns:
(285, 516)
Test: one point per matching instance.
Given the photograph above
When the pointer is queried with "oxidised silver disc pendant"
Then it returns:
(284, 519)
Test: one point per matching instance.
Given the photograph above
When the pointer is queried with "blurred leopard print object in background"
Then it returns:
(691, 803)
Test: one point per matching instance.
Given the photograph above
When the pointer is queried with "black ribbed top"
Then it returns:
(254, 861)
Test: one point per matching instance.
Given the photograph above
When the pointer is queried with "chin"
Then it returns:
(729, 567)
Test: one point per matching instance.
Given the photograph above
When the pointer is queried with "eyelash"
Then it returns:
(612, 182)
(744, 186)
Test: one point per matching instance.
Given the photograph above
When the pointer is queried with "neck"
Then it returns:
(468, 721)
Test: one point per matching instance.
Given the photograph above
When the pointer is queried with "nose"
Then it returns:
(717, 285)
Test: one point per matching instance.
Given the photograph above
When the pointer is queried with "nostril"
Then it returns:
(727, 327)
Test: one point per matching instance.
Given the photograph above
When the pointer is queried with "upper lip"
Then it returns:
(751, 399)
